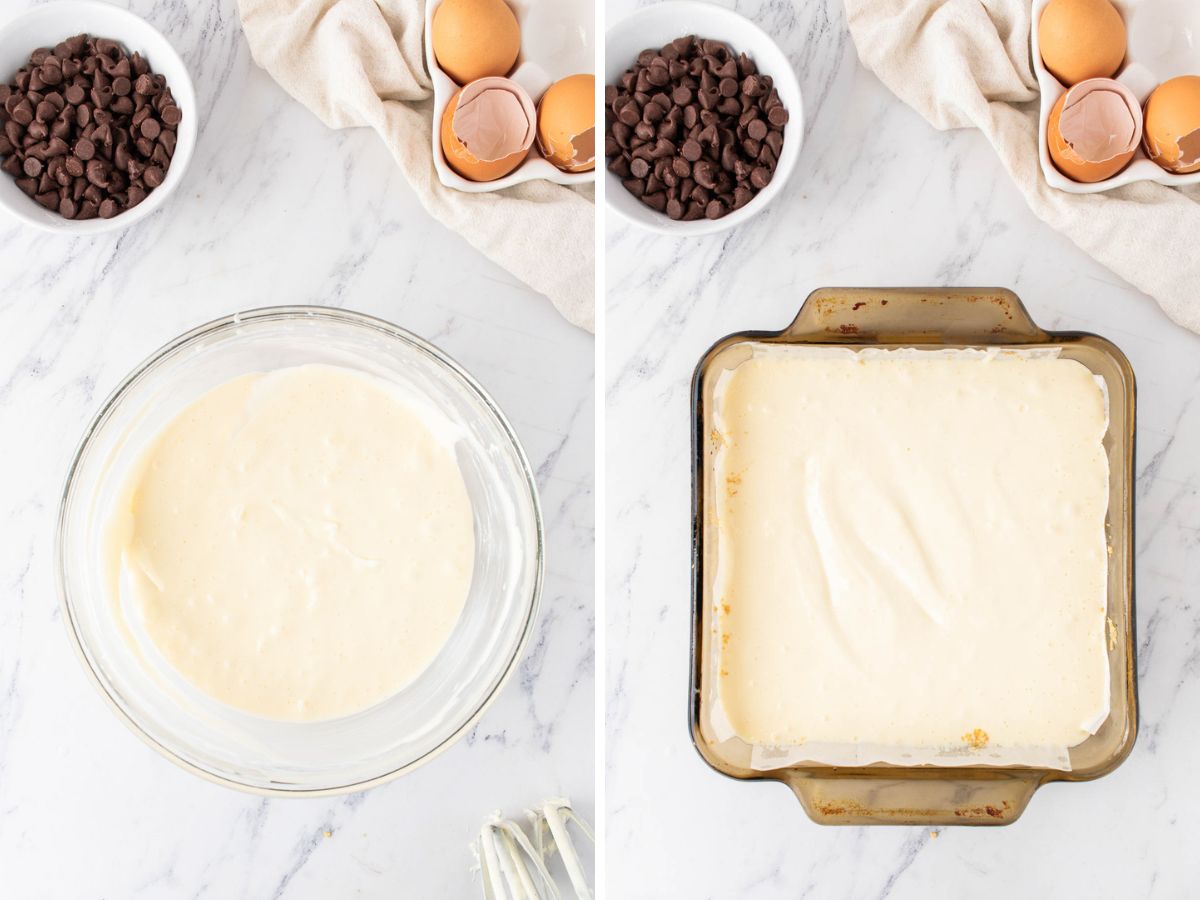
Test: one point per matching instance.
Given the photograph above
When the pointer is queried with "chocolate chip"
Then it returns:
(705, 174)
(33, 167)
(97, 173)
(23, 112)
(656, 201)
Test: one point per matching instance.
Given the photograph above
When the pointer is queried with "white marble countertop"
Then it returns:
(274, 209)
(878, 198)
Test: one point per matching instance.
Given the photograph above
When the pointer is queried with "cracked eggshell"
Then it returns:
(566, 129)
(488, 128)
(1172, 129)
(1081, 39)
(1094, 130)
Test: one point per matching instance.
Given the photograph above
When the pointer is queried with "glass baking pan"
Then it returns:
(858, 318)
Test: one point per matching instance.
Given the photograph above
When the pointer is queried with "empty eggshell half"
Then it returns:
(1094, 130)
(1173, 125)
(567, 123)
(488, 128)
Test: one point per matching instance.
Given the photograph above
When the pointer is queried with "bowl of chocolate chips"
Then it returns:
(97, 117)
(703, 118)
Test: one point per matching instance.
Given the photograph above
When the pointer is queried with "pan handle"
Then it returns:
(875, 799)
(915, 316)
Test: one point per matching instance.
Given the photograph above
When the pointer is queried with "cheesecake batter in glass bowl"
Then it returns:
(153, 670)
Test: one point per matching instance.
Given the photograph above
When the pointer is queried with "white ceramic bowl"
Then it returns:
(654, 26)
(1164, 41)
(330, 756)
(45, 26)
(556, 41)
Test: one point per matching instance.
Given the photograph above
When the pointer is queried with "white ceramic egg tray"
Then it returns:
(557, 40)
(1164, 42)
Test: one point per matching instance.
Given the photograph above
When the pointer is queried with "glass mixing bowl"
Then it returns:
(335, 755)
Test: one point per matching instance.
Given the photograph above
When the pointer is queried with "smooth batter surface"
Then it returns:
(912, 551)
(299, 543)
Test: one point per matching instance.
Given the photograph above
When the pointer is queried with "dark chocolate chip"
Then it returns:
(656, 201)
(97, 173)
(23, 113)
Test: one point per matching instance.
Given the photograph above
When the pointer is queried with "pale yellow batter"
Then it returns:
(912, 551)
(299, 543)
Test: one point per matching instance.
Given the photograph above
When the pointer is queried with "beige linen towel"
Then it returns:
(361, 62)
(966, 64)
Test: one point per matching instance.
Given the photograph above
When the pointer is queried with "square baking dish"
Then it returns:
(860, 318)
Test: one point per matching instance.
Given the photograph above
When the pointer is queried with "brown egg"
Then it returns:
(1093, 130)
(567, 123)
(487, 129)
(1173, 125)
(1081, 39)
(475, 38)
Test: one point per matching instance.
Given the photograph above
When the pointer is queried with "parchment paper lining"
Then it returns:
(765, 757)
